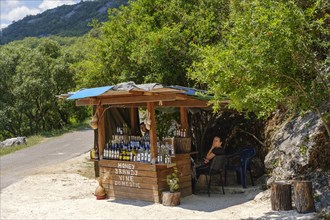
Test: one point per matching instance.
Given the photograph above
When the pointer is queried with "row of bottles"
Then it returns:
(137, 151)
(122, 130)
(124, 153)
(164, 153)
(181, 132)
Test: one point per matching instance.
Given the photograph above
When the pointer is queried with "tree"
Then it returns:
(149, 41)
(32, 76)
(266, 58)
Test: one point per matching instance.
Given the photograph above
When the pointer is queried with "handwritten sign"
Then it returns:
(126, 173)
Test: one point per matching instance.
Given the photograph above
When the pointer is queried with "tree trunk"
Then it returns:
(171, 199)
(281, 196)
(303, 194)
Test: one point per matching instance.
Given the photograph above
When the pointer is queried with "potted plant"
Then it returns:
(172, 197)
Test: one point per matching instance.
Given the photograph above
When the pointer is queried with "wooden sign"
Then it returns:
(125, 172)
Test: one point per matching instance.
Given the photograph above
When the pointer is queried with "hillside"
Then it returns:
(65, 20)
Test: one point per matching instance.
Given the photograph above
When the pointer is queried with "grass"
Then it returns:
(36, 139)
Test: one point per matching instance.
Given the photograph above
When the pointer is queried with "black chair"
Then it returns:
(216, 168)
(243, 159)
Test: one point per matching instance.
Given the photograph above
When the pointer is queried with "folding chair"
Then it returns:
(216, 168)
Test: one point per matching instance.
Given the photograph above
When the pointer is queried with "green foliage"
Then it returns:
(164, 122)
(259, 54)
(303, 150)
(266, 58)
(173, 180)
(149, 41)
(66, 20)
(32, 75)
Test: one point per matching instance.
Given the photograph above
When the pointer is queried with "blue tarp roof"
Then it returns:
(85, 93)
(127, 86)
(188, 91)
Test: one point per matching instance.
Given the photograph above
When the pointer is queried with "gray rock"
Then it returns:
(13, 141)
(291, 144)
(289, 156)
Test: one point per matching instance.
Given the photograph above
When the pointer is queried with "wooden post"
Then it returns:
(133, 116)
(303, 194)
(183, 118)
(152, 131)
(101, 130)
(281, 196)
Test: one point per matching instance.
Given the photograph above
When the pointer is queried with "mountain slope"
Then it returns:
(65, 20)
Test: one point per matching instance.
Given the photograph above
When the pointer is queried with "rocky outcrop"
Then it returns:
(295, 152)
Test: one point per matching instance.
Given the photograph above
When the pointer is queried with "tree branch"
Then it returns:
(259, 141)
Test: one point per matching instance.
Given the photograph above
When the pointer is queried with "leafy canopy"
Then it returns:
(33, 72)
(265, 58)
(149, 41)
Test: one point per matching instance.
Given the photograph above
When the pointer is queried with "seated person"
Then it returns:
(144, 130)
(215, 150)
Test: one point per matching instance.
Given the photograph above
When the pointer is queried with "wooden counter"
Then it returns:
(142, 181)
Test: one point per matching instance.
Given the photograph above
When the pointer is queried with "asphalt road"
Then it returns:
(55, 150)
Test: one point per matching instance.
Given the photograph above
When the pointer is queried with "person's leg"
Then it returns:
(202, 169)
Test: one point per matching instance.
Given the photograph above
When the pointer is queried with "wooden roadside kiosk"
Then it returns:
(136, 178)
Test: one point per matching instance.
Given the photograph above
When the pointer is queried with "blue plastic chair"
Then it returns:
(243, 157)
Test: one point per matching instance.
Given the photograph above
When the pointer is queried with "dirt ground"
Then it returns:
(65, 191)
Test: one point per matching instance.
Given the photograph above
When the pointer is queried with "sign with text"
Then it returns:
(126, 173)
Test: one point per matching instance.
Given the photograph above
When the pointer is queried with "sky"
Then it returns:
(14, 10)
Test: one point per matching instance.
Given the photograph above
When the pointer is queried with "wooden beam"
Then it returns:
(152, 131)
(184, 118)
(185, 103)
(126, 99)
(86, 102)
(192, 103)
(100, 129)
(133, 116)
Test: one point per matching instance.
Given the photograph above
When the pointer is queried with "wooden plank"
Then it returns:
(152, 132)
(186, 192)
(129, 99)
(186, 103)
(111, 164)
(184, 169)
(128, 190)
(137, 196)
(182, 157)
(143, 173)
(159, 186)
(186, 184)
(192, 103)
(137, 179)
(137, 165)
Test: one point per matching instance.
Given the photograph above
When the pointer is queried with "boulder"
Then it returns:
(295, 152)
(13, 141)
(291, 145)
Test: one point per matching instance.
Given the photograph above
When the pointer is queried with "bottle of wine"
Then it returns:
(105, 152)
(97, 153)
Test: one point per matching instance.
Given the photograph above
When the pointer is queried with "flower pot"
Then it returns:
(171, 198)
